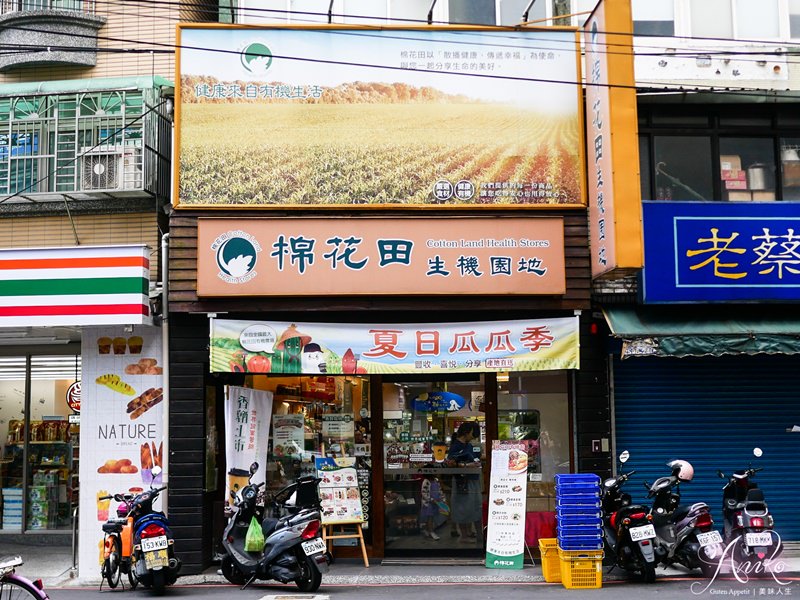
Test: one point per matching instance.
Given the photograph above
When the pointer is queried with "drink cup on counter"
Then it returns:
(439, 451)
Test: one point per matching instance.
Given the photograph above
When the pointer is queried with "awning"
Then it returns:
(707, 330)
(74, 86)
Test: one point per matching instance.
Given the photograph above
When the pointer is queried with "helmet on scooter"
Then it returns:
(682, 469)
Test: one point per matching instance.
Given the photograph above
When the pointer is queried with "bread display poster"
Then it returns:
(338, 491)
(122, 424)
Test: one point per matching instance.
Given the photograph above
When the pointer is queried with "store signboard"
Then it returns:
(409, 256)
(721, 252)
(81, 285)
(612, 145)
(338, 116)
(408, 348)
(505, 535)
(122, 433)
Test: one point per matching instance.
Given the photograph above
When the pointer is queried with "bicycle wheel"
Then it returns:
(16, 590)
(111, 571)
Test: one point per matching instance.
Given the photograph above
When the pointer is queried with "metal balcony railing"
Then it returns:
(79, 6)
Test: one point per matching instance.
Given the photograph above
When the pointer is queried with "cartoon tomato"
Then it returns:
(258, 364)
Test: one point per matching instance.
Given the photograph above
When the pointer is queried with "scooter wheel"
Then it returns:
(158, 583)
(649, 573)
(231, 572)
(310, 578)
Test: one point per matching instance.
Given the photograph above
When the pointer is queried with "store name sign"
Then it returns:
(700, 252)
(411, 256)
(349, 348)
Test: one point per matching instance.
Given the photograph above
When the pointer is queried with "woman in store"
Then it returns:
(465, 505)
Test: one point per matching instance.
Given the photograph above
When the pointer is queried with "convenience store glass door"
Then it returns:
(434, 453)
(39, 462)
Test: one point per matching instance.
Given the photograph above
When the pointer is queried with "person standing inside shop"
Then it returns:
(465, 504)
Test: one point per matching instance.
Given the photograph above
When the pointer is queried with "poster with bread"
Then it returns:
(122, 433)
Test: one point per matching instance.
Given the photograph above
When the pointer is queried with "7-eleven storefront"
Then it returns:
(77, 344)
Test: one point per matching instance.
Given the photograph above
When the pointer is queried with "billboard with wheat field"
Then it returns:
(295, 117)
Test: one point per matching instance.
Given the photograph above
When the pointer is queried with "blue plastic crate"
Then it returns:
(572, 489)
(579, 521)
(569, 531)
(568, 511)
(577, 502)
(580, 542)
(577, 478)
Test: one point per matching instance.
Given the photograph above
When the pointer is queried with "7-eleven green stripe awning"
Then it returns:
(100, 285)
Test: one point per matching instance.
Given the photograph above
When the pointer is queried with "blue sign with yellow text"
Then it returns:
(721, 252)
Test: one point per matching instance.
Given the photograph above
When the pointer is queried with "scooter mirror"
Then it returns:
(757, 452)
(720, 474)
(624, 456)
(253, 468)
(156, 471)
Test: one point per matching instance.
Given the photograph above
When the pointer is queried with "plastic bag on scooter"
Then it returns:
(254, 540)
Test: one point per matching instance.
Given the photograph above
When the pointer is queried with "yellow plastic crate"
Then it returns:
(581, 569)
(551, 565)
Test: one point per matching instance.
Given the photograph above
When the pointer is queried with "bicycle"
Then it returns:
(118, 544)
(17, 587)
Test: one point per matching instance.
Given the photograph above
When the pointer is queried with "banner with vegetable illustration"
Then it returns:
(122, 425)
(349, 348)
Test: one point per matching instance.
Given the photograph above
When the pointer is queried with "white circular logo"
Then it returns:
(464, 190)
(236, 256)
(442, 190)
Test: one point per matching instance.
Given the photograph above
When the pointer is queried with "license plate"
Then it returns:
(314, 546)
(758, 539)
(645, 532)
(156, 543)
(156, 558)
(706, 539)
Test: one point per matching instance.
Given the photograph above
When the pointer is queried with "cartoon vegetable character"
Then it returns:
(258, 364)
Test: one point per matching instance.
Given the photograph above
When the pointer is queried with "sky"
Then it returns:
(200, 56)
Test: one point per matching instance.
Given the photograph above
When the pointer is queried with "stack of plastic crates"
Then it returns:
(580, 530)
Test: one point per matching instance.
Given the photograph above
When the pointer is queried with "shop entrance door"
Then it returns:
(434, 454)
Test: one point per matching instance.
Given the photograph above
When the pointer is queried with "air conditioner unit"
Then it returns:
(111, 168)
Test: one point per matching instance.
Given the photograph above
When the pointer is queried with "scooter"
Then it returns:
(627, 528)
(684, 534)
(293, 547)
(154, 563)
(747, 521)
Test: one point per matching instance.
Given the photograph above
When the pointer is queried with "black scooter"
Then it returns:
(746, 517)
(628, 528)
(293, 547)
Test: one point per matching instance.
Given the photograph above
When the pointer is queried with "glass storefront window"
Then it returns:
(790, 168)
(683, 167)
(534, 408)
(41, 445)
(747, 168)
(434, 437)
(316, 417)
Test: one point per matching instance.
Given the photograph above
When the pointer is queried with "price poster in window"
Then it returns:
(338, 491)
(505, 542)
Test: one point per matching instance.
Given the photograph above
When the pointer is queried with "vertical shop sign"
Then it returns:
(338, 490)
(122, 431)
(247, 418)
(612, 147)
(505, 542)
(364, 469)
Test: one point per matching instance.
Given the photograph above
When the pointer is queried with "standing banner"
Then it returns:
(122, 426)
(247, 417)
(338, 490)
(505, 542)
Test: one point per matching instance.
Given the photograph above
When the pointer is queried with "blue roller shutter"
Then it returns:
(713, 412)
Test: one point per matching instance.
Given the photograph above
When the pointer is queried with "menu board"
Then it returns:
(505, 542)
(338, 490)
(288, 436)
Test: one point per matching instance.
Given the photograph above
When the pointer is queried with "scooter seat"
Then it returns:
(268, 525)
(680, 512)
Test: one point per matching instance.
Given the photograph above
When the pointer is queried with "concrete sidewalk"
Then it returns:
(53, 564)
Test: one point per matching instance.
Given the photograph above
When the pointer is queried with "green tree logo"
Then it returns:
(256, 58)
